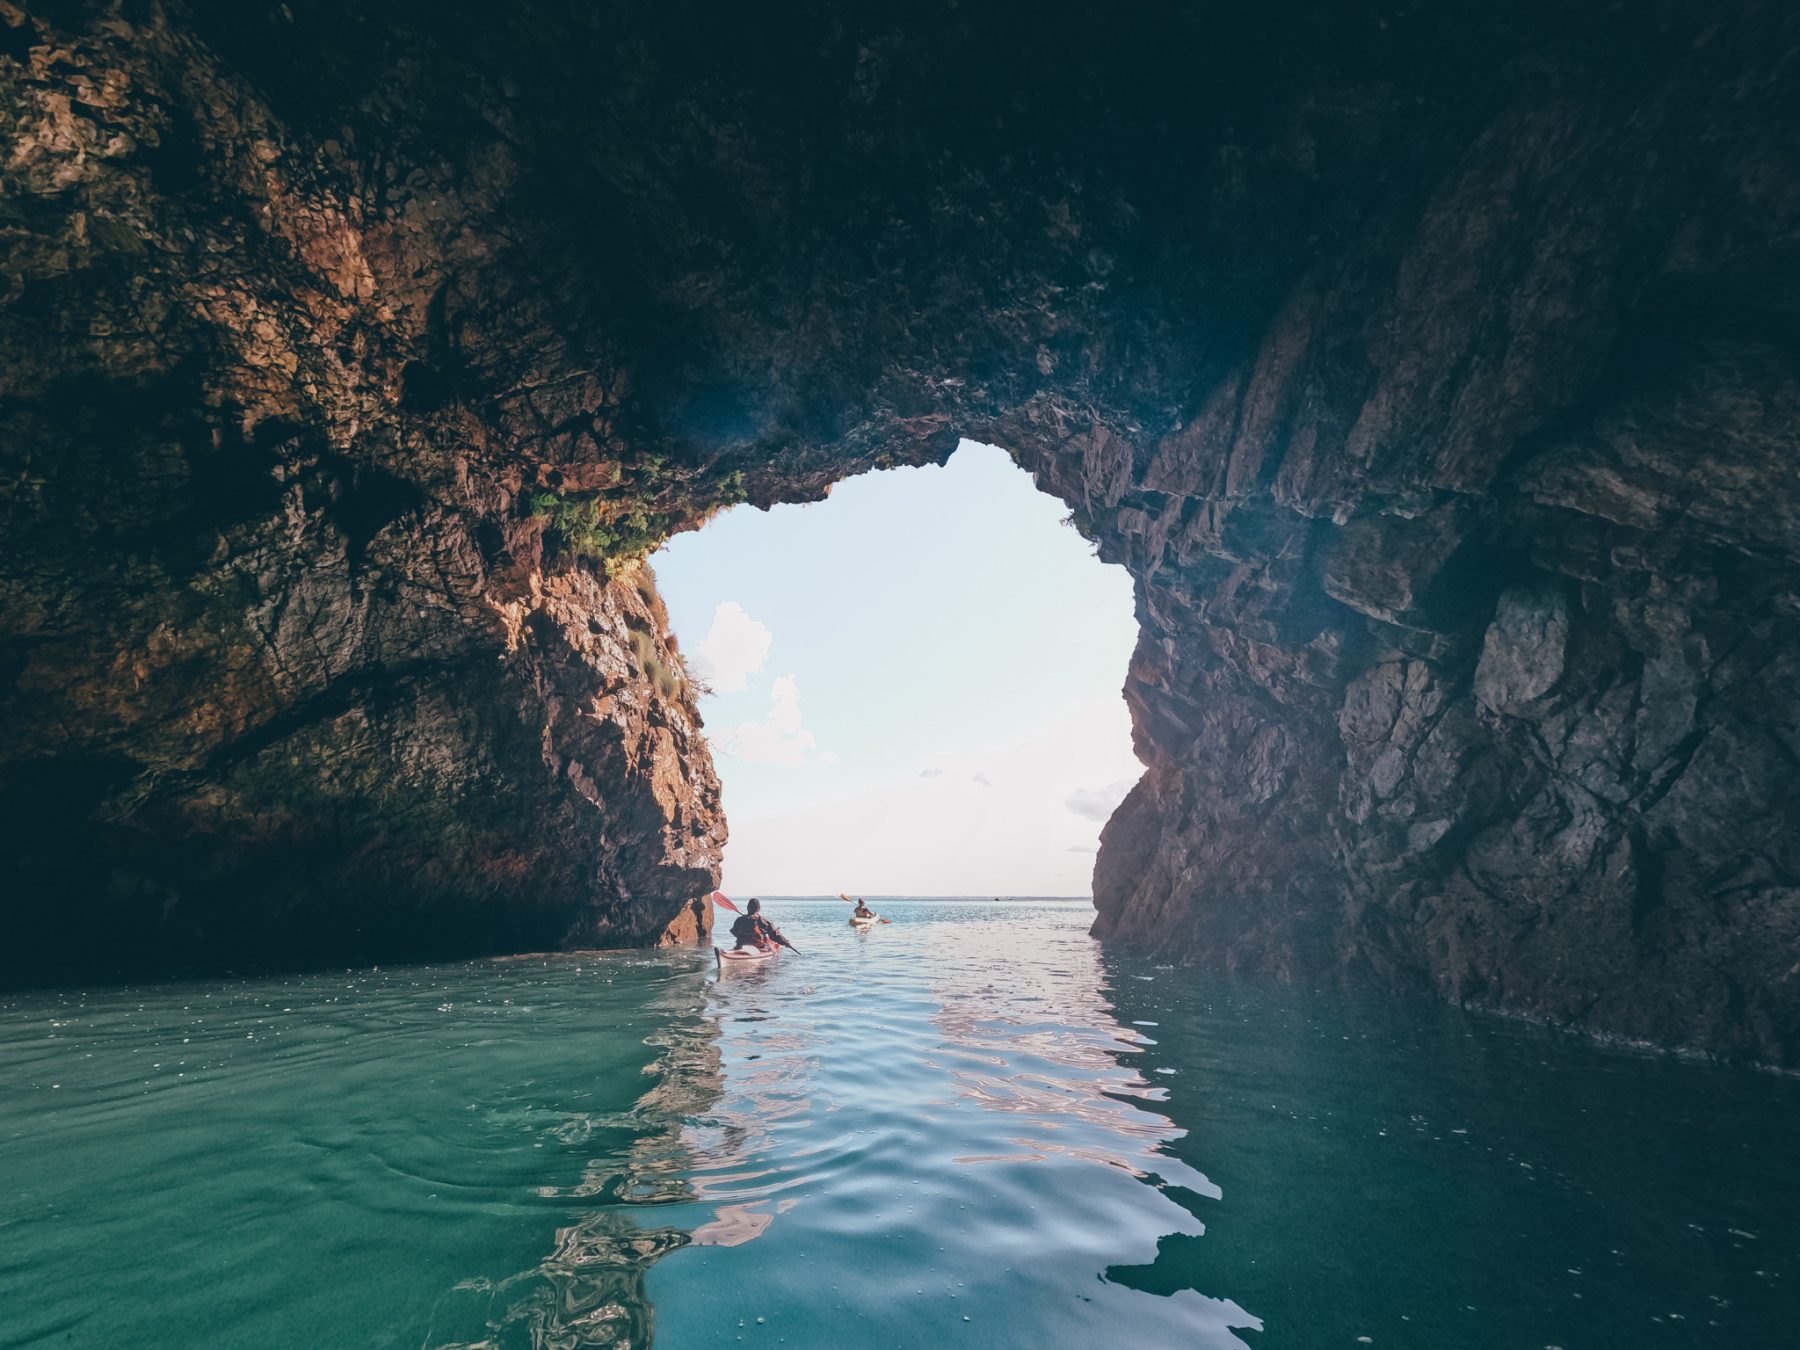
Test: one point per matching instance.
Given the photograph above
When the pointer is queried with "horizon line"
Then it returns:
(897, 895)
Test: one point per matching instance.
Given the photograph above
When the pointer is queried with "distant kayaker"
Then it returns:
(862, 909)
(750, 929)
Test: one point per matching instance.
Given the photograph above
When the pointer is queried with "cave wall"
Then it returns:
(1430, 366)
(290, 675)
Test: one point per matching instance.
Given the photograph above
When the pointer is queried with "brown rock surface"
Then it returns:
(1430, 367)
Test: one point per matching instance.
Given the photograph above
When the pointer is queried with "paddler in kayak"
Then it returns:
(862, 910)
(750, 929)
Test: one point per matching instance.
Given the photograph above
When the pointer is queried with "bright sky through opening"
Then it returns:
(916, 684)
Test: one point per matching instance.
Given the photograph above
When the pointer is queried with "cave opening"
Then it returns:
(912, 687)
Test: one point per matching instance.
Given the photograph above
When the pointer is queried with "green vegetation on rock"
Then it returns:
(586, 526)
(612, 530)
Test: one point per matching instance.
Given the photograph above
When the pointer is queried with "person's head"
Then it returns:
(755, 907)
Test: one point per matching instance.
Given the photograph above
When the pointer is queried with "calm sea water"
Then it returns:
(971, 1127)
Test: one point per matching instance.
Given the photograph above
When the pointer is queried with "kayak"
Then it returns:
(869, 922)
(743, 956)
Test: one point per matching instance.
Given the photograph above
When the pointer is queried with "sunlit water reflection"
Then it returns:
(971, 1126)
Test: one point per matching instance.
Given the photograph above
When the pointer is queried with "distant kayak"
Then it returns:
(869, 922)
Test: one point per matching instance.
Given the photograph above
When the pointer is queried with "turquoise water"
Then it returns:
(971, 1127)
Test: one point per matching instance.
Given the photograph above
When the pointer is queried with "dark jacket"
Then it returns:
(752, 930)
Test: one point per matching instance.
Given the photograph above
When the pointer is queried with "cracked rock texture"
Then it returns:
(1431, 368)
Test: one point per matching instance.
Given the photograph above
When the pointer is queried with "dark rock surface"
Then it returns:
(1431, 367)
(290, 675)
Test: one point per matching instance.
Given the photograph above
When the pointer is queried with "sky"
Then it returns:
(915, 684)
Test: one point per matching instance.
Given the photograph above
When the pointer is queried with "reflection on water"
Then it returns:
(1424, 1177)
(1042, 1045)
(977, 1124)
(588, 1292)
(971, 1127)
(929, 1128)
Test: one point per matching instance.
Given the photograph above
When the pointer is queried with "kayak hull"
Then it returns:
(742, 957)
(864, 924)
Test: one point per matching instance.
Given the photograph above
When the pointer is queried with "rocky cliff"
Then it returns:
(302, 660)
(1431, 367)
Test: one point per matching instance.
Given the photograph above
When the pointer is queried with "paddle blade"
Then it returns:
(887, 920)
(846, 899)
(720, 899)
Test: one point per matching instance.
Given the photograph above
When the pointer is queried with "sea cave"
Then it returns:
(1430, 368)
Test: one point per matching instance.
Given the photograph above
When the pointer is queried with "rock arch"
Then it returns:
(1430, 368)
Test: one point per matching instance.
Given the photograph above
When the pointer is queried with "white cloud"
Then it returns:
(940, 831)
(781, 738)
(1099, 803)
(734, 649)
(828, 757)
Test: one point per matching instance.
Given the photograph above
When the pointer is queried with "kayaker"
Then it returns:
(750, 929)
(862, 909)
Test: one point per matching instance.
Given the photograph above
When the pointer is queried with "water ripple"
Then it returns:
(970, 1127)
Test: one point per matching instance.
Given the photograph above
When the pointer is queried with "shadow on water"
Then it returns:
(589, 1291)
(471, 1155)
(1426, 1177)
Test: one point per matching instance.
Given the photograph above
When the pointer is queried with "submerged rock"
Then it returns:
(1430, 370)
